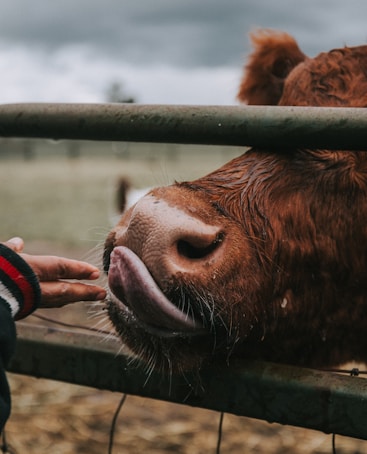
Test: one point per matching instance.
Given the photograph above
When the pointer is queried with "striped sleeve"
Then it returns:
(19, 286)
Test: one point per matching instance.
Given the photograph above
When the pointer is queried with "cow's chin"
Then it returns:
(159, 348)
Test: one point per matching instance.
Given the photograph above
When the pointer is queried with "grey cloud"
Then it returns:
(170, 31)
(176, 32)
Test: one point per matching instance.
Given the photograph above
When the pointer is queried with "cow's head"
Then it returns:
(261, 258)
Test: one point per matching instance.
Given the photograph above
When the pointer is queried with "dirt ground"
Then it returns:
(50, 416)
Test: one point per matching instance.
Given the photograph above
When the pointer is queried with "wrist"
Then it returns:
(19, 285)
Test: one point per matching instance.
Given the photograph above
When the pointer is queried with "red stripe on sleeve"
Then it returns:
(22, 283)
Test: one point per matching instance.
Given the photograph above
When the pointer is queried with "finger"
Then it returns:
(60, 293)
(52, 268)
(16, 244)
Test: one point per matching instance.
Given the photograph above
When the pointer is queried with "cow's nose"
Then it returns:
(170, 239)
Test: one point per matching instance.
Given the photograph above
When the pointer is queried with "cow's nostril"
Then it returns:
(194, 249)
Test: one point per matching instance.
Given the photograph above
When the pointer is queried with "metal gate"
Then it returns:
(326, 401)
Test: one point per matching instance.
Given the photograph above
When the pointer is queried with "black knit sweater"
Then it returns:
(19, 296)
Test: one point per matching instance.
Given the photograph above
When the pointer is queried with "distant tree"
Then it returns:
(115, 93)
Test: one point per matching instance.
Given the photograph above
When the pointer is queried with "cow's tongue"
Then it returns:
(131, 282)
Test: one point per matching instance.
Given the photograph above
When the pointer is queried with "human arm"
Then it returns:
(28, 282)
(19, 294)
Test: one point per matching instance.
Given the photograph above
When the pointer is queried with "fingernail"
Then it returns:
(94, 275)
(101, 295)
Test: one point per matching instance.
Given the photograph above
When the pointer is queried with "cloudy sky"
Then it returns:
(159, 51)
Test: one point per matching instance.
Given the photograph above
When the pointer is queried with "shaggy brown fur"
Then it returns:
(265, 255)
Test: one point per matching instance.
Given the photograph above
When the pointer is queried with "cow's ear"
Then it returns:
(275, 55)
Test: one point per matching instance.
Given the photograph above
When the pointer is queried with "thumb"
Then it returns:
(16, 244)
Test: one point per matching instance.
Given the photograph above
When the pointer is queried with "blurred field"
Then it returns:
(51, 196)
(59, 196)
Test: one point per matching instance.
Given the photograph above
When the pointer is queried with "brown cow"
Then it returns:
(263, 258)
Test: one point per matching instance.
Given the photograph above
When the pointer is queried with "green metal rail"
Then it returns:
(334, 128)
(308, 398)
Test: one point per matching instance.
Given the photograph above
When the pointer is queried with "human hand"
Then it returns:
(52, 271)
